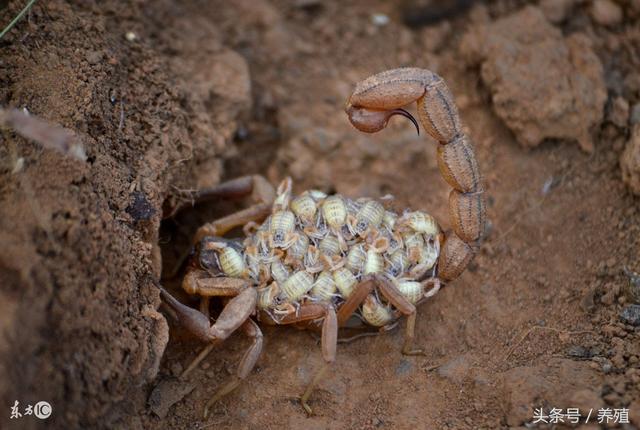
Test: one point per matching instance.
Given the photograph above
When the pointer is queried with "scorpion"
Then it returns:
(348, 257)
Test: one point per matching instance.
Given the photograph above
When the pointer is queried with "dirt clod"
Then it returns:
(606, 12)
(543, 85)
(167, 393)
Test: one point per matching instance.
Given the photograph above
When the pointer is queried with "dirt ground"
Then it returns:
(169, 97)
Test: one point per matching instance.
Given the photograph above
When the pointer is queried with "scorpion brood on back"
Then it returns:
(317, 260)
(316, 248)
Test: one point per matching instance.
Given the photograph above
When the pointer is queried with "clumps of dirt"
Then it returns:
(630, 161)
(79, 256)
(543, 85)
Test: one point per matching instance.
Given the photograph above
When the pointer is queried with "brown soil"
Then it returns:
(198, 92)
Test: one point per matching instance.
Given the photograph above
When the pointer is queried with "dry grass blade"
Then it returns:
(48, 135)
(537, 327)
(17, 18)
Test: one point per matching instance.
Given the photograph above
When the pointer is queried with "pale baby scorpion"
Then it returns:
(385, 289)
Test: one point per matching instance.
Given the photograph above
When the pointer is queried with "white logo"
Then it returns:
(42, 410)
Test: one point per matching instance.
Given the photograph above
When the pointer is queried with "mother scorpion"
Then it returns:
(239, 272)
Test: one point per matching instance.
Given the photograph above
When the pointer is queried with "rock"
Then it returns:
(606, 12)
(579, 351)
(630, 161)
(379, 19)
(543, 85)
(556, 10)
(630, 314)
(167, 393)
(140, 209)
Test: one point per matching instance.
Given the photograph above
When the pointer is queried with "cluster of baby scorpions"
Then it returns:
(318, 260)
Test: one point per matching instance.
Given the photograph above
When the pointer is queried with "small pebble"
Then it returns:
(579, 351)
(379, 19)
(631, 314)
(606, 12)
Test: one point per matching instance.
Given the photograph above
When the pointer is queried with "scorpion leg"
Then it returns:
(260, 190)
(355, 300)
(234, 314)
(395, 297)
(245, 366)
(201, 283)
(329, 341)
(256, 186)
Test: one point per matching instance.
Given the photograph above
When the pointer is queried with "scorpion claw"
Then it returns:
(407, 115)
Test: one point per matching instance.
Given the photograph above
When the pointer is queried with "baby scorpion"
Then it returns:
(377, 283)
